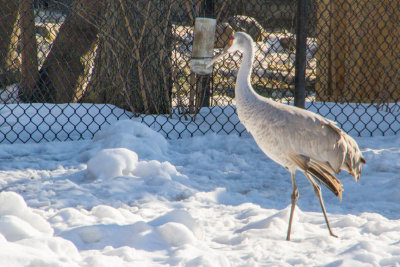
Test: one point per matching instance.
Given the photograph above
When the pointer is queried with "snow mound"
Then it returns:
(131, 135)
(155, 169)
(176, 234)
(178, 216)
(119, 171)
(116, 162)
(17, 221)
(162, 233)
(105, 213)
(112, 162)
(210, 260)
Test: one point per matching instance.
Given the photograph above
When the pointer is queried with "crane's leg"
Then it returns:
(295, 196)
(317, 190)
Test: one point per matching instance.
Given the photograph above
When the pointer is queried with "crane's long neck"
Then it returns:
(243, 90)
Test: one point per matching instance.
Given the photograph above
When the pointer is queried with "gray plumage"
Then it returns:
(295, 138)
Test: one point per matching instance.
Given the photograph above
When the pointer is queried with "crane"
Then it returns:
(295, 138)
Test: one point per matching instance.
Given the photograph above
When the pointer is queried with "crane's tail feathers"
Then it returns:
(352, 155)
(327, 178)
(353, 159)
(319, 171)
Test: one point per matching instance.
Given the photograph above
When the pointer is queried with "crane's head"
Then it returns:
(236, 42)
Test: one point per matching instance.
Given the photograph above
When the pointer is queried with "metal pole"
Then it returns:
(300, 62)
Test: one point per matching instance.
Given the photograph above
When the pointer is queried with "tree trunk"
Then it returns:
(9, 62)
(29, 66)
(132, 68)
(60, 73)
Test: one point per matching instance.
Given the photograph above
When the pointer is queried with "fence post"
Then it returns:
(205, 80)
(300, 61)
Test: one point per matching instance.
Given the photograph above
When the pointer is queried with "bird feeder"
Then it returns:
(203, 45)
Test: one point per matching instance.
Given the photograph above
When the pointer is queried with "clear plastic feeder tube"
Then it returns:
(203, 45)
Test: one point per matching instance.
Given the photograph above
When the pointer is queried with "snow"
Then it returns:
(112, 162)
(130, 197)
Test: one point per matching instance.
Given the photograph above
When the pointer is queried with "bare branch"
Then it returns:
(128, 25)
(221, 9)
(145, 24)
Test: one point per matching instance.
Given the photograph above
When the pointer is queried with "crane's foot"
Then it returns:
(332, 234)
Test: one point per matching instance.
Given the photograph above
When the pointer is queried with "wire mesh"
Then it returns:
(358, 66)
(67, 67)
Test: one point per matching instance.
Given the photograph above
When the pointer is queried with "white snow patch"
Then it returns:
(176, 234)
(131, 135)
(205, 201)
(17, 221)
(156, 169)
(112, 162)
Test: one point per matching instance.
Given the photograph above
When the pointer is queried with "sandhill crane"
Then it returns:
(293, 137)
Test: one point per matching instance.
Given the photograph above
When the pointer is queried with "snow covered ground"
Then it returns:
(129, 197)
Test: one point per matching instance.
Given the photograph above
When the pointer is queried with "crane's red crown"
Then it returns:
(231, 40)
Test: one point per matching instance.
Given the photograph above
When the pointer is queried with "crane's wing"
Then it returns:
(325, 143)
(305, 133)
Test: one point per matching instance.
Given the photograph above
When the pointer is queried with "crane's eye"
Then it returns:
(231, 40)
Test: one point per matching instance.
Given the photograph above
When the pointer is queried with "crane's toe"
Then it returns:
(332, 234)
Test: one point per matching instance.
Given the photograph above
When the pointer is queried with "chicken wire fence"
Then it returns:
(69, 67)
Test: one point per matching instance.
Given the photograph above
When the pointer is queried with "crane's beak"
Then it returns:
(217, 57)
(222, 54)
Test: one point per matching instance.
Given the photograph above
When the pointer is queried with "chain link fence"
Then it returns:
(69, 67)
